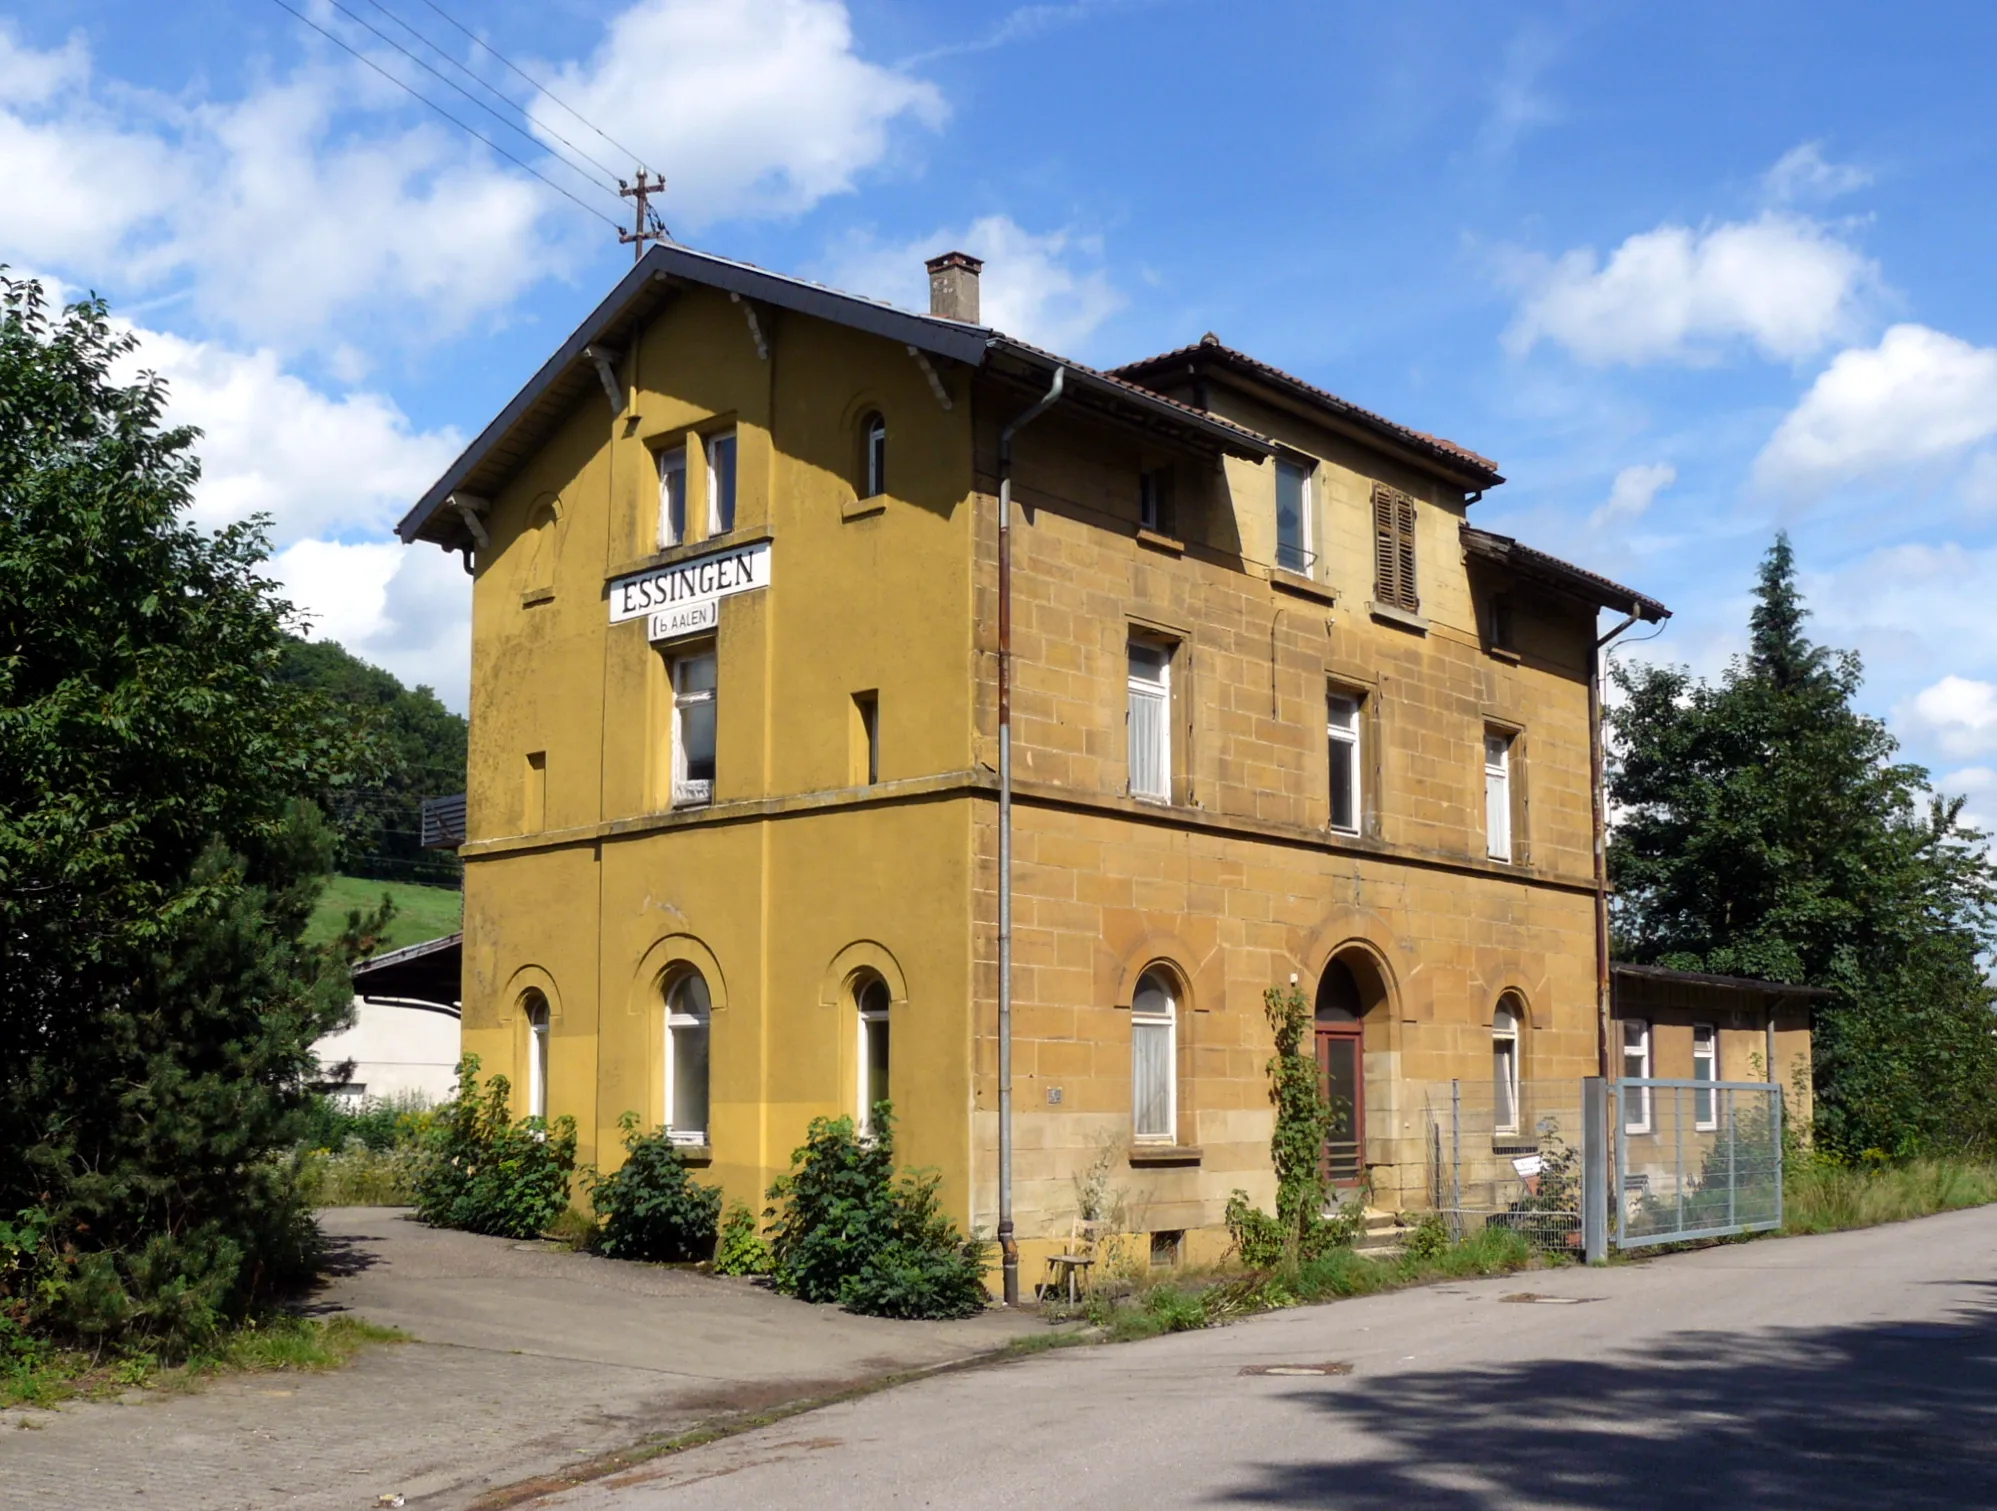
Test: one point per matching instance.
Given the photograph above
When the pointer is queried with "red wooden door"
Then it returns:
(1341, 1065)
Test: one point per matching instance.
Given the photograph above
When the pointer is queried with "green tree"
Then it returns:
(424, 745)
(1766, 828)
(158, 860)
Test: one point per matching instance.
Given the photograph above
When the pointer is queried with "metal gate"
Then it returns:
(1696, 1159)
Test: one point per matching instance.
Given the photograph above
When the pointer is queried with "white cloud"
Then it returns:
(407, 609)
(759, 107)
(280, 215)
(272, 443)
(1048, 288)
(1803, 173)
(1633, 492)
(1783, 283)
(1919, 396)
(1958, 713)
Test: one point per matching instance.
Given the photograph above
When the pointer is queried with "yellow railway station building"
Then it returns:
(1278, 713)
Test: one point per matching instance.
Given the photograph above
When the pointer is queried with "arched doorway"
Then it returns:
(1341, 1064)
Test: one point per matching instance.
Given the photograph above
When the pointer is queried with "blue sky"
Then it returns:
(1690, 273)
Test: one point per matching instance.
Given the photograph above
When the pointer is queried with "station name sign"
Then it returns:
(685, 598)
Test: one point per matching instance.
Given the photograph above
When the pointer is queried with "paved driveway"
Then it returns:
(528, 1358)
(1853, 1372)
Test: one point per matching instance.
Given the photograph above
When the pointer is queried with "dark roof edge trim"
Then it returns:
(1591, 586)
(944, 338)
(1702, 978)
(1224, 434)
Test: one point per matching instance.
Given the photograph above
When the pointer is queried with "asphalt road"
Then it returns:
(1852, 1371)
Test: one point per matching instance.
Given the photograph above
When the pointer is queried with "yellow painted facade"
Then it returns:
(799, 880)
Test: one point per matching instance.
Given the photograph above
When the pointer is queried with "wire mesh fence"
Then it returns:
(1507, 1154)
(1696, 1159)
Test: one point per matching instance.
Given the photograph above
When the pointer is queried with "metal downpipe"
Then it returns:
(1008, 1243)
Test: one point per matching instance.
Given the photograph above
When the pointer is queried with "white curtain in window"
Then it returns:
(689, 1023)
(537, 1057)
(1498, 796)
(1153, 1024)
(1505, 1070)
(1342, 732)
(1150, 721)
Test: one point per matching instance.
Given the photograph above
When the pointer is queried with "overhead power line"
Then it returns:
(609, 173)
(347, 47)
(452, 84)
(479, 41)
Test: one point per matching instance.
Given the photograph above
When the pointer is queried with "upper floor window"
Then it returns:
(693, 729)
(1505, 1067)
(1154, 500)
(872, 1000)
(1154, 1023)
(689, 1018)
(1394, 549)
(1705, 1067)
(1150, 720)
(1497, 794)
(874, 457)
(1636, 1067)
(721, 483)
(672, 496)
(1293, 515)
(1342, 733)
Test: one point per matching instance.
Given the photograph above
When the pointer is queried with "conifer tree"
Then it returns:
(1766, 828)
(158, 862)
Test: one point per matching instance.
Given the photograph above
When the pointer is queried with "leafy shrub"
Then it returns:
(379, 1123)
(1429, 1240)
(844, 1229)
(651, 1206)
(486, 1173)
(740, 1250)
(1258, 1238)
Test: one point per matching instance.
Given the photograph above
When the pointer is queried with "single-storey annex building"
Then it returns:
(1279, 713)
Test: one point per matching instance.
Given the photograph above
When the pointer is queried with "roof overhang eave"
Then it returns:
(1158, 410)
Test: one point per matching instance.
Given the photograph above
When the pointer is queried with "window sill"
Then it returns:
(1158, 540)
(1156, 1156)
(1286, 581)
(695, 1154)
(1503, 653)
(1387, 613)
(864, 508)
(686, 550)
(536, 595)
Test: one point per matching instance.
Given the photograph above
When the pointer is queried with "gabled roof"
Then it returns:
(548, 396)
(1457, 463)
(1502, 550)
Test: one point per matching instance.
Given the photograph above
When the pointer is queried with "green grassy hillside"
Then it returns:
(420, 912)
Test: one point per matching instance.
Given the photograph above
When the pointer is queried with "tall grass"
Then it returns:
(1183, 1305)
(1823, 1196)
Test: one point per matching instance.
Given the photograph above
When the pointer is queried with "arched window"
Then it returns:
(1154, 1027)
(873, 455)
(688, 1016)
(870, 997)
(536, 1006)
(1505, 1064)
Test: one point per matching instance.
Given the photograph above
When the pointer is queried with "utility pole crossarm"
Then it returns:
(645, 226)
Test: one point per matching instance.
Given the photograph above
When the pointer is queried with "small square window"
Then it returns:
(1166, 1248)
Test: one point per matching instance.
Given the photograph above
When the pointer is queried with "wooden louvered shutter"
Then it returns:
(1404, 553)
(1386, 558)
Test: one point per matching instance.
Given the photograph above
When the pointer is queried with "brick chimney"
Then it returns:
(953, 286)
